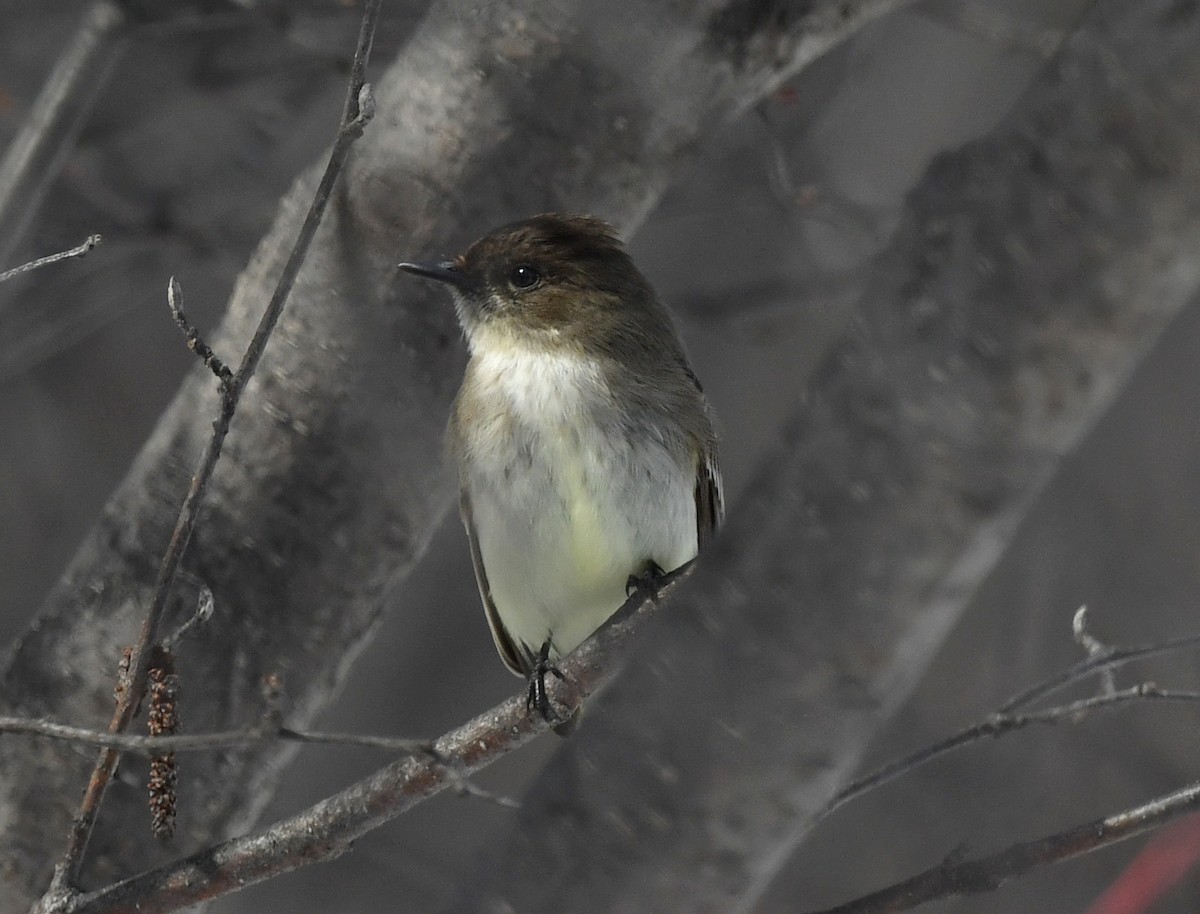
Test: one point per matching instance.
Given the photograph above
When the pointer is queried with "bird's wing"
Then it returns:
(514, 659)
(710, 499)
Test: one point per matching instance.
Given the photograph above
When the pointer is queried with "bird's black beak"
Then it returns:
(442, 272)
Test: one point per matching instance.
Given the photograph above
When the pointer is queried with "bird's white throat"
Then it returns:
(539, 385)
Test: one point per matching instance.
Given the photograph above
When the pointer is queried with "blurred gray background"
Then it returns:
(760, 247)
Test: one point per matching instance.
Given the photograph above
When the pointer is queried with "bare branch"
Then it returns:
(1000, 724)
(34, 157)
(323, 831)
(1158, 866)
(1102, 659)
(203, 742)
(77, 251)
(354, 116)
(328, 828)
(1112, 660)
(496, 728)
(954, 878)
(192, 335)
(269, 730)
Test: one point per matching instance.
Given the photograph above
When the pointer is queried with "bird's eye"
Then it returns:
(524, 276)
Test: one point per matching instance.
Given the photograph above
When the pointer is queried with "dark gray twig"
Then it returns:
(991, 728)
(1102, 660)
(35, 156)
(326, 829)
(204, 742)
(194, 341)
(954, 878)
(1115, 657)
(1000, 724)
(78, 251)
(356, 114)
(248, 738)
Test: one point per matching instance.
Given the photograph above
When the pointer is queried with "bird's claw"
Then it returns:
(645, 582)
(537, 697)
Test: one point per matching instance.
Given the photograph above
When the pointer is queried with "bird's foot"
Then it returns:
(537, 696)
(645, 582)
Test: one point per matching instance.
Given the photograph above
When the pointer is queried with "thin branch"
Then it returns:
(1116, 657)
(356, 114)
(1102, 659)
(195, 342)
(328, 828)
(1000, 724)
(246, 738)
(34, 159)
(1162, 863)
(78, 251)
(251, 736)
(954, 878)
(36, 154)
(325, 830)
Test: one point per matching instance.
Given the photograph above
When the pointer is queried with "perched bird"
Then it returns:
(585, 448)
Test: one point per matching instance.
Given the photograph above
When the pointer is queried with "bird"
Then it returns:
(585, 447)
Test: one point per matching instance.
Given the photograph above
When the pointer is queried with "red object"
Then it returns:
(1157, 869)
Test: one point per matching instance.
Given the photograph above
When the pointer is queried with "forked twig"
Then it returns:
(356, 114)
(1103, 660)
(998, 725)
(327, 828)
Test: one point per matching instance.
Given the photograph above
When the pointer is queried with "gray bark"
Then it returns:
(331, 482)
(1032, 271)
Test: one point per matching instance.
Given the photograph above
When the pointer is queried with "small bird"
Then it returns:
(586, 455)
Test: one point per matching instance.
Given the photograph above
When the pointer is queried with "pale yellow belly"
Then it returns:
(560, 539)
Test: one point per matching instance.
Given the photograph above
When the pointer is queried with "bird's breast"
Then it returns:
(567, 503)
(540, 433)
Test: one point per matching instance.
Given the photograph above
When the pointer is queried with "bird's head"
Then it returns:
(551, 281)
